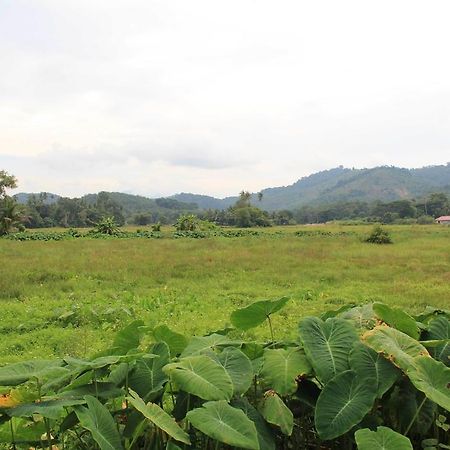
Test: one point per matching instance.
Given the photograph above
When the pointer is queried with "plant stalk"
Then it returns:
(415, 415)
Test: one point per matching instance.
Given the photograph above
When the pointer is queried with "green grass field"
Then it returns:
(67, 297)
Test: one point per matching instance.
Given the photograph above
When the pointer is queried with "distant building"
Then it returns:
(444, 220)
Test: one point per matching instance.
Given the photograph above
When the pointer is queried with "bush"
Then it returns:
(187, 222)
(425, 220)
(107, 225)
(379, 236)
(156, 226)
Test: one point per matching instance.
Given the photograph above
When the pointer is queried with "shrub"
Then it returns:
(107, 225)
(379, 236)
(156, 226)
(425, 220)
(187, 222)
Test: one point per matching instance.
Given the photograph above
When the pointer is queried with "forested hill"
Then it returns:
(330, 186)
(343, 185)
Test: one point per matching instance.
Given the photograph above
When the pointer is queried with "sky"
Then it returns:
(156, 97)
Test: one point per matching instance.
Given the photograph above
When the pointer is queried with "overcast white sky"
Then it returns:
(155, 97)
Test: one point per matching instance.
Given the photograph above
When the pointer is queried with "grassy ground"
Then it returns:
(68, 297)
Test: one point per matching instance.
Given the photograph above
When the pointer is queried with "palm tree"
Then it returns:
(10, 215)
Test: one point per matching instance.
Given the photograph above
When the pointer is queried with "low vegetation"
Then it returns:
(379, 236)
(338, 384)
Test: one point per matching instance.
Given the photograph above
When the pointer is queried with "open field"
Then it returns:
(68, 297)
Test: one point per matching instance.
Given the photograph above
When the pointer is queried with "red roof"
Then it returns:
(444, 218)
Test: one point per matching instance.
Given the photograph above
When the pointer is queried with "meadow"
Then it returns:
(68, 297)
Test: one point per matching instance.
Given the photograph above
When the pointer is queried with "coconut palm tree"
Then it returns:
(11, 216)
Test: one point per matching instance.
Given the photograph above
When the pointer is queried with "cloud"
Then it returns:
(158, 97)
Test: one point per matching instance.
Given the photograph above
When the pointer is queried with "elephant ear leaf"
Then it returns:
(225, 424)
(159, 418)
(367, 363)
(256, 313)
(439, 329)
(238, 367)
(97, 419)
(128, 338)
(343, 403)
(396, 318)
(201, 376)
(281, 368)
(277, 413)
(18, 373)
(175, 341)
(382, 439)
(432, 378)
(394, 345)
(327, 345)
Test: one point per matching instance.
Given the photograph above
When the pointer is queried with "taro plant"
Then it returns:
(365, 377)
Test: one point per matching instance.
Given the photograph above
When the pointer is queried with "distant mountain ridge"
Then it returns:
(384, 183)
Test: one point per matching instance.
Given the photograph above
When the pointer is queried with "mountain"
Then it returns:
(340, 184)
(384, 183)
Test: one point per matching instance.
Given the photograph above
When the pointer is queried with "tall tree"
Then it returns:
(10, 212)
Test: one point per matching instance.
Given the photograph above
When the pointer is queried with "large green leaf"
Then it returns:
(225, 424)
(97, 363)
(256, 313)
(277, 413)
(327, 345)
(238, 367)
(265, 434)
(18, 373)
(439, 329)
(343, 403)
(254, 353)
(128, 338)
(432, 378)
(176, 341)
(26, 433)
(159, 418)
(282, 367)
(97, 419)
(382, 439)
(361, 316)
(147, 377)
(100, 389)
(52, 409)
(201, 376)
(394, 345)
(199, 344)
(397, 318)
(367, 363)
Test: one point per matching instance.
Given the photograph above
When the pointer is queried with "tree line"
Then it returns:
(41, 211)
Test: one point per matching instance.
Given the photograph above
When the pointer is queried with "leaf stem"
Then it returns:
(415, 415)
(13, 439)
(270, 327)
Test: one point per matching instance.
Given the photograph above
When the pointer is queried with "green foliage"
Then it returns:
(379, 236)
(382, 439)
(210, 392)
(187, 222)
(107, 225)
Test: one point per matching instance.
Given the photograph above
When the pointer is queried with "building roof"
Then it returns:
(444, 218)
